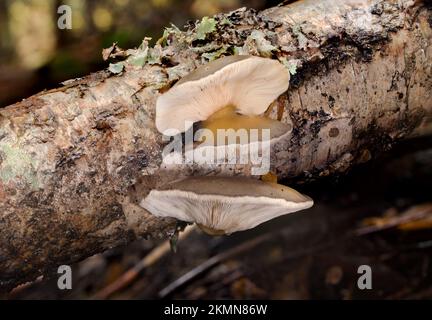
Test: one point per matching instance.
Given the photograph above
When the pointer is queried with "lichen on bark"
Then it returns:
(75, 161)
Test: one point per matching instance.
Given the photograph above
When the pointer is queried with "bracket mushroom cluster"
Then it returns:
(229, 93)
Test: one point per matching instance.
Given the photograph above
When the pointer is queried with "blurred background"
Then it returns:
(380, 214)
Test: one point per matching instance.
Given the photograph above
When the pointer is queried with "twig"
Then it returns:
(210, 263)
(22, 287)
(130, 275)
(414, 213)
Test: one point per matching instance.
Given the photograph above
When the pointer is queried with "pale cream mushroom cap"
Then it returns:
(232, 123)
(225, 130)
(249, 83)
(219, 148)
(228, 204)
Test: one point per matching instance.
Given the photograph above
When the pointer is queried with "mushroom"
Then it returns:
(246, 84)
(228, 137)
(223, 205)
(227, 118)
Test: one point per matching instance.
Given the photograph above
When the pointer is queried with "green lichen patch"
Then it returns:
(258, 42)
(205, 27)
(116, 68)
(155, 55)
(292, 65)
(210, 56)
(135, 58)
(301, 38)
(138, 57)
(177, 72)
(168, 34)
(225, 22)
(17, 165)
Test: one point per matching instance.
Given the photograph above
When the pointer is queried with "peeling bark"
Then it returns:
(75, 161)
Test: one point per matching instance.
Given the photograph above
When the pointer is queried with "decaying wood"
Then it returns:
(75, 161)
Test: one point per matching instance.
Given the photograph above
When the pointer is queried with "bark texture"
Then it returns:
(75, 161)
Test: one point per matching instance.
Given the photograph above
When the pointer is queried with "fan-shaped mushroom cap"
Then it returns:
(247, 82)
(226, 119)
(234, 138)
(227, 204)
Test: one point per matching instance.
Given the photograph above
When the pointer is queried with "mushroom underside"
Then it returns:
(217, 212)
(244, 84)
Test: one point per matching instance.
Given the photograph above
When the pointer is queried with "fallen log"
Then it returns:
(75, 161)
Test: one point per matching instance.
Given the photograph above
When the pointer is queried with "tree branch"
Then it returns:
(75, 161)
